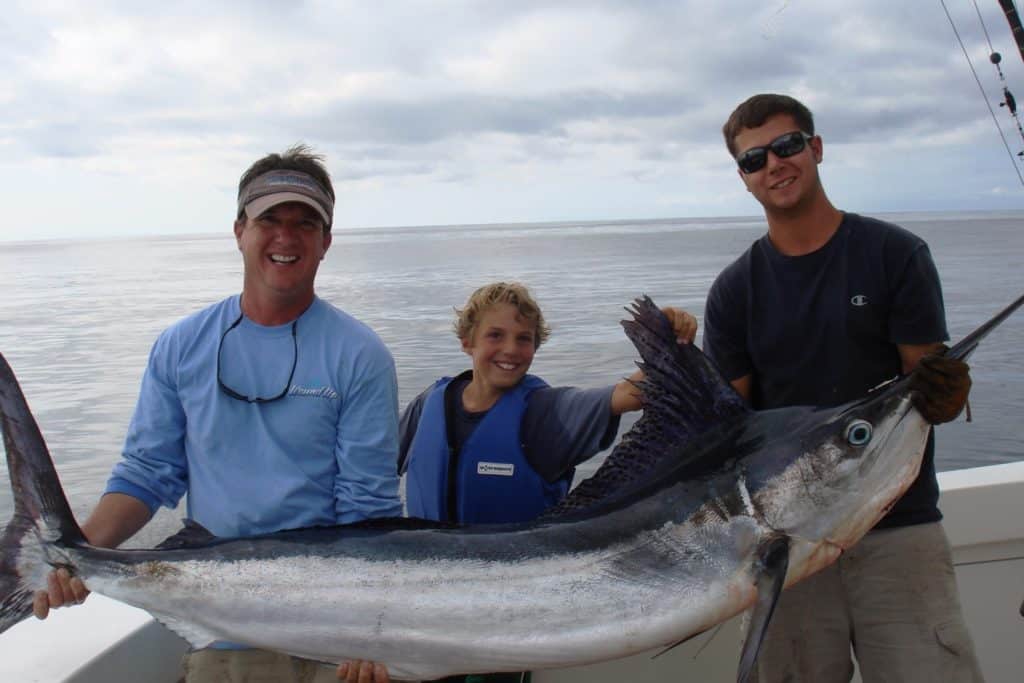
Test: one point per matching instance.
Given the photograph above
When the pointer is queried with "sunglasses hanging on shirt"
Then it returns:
(257, 399)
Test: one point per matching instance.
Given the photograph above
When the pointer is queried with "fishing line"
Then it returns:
(768, 29)
(981, 562)
(984, 95)
(983, 27)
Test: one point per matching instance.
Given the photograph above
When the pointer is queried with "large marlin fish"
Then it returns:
(705, 509)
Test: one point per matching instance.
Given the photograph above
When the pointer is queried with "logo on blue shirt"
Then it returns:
(859, 300)
(321, 392)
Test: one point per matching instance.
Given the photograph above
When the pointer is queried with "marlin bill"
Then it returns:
(704, 509)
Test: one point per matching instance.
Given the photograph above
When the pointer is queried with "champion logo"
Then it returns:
(859, 300)
(496, 469)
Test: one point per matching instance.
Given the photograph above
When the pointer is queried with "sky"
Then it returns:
(126, 118)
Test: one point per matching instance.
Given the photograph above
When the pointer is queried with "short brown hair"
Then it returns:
(489, 296)
(757, 109)
(298, 157)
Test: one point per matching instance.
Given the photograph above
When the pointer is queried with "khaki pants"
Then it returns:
(893, 598)
(254, 666)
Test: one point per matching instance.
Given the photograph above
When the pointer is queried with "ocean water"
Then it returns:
(77, 318)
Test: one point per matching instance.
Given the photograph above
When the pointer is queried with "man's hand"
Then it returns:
(61, 589)
(359, 671)
(684, 325)
(940, 386)
(116, 518)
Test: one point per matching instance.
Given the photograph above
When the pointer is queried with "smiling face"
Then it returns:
(282, 249)
(502, 346)
(783, 185)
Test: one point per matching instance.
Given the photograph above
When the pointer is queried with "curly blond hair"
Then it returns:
(488, 296)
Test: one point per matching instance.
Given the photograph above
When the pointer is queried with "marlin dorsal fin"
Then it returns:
(684, 395)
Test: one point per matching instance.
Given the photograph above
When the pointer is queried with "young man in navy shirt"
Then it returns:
(821, 309)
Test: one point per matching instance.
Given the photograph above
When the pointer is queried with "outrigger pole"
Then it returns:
(1015, 26)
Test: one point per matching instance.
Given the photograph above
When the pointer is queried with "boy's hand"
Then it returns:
(360, 671)
(683, 324)
(61, 589)
(941, 386)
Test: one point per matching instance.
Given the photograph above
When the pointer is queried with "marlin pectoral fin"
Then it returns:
(772, 563)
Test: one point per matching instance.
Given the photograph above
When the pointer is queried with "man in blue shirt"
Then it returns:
(819, 311)
(271, 409)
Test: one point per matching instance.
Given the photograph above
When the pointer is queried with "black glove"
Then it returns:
(940, 386)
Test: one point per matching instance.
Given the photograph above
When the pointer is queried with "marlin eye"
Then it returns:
(858, 432)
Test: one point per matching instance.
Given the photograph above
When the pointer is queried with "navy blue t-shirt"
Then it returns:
(821, 329)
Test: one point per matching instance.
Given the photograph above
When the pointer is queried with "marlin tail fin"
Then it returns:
(42, 515)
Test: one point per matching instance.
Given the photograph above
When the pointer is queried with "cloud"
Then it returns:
(409, 97)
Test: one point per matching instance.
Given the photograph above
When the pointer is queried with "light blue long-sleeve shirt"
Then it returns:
(322, 455)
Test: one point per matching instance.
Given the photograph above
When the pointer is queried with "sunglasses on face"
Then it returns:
(755, 158)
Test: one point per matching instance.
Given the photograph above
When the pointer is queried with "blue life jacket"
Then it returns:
(489, 480)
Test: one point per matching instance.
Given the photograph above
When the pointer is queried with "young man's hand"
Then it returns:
(941, 386)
